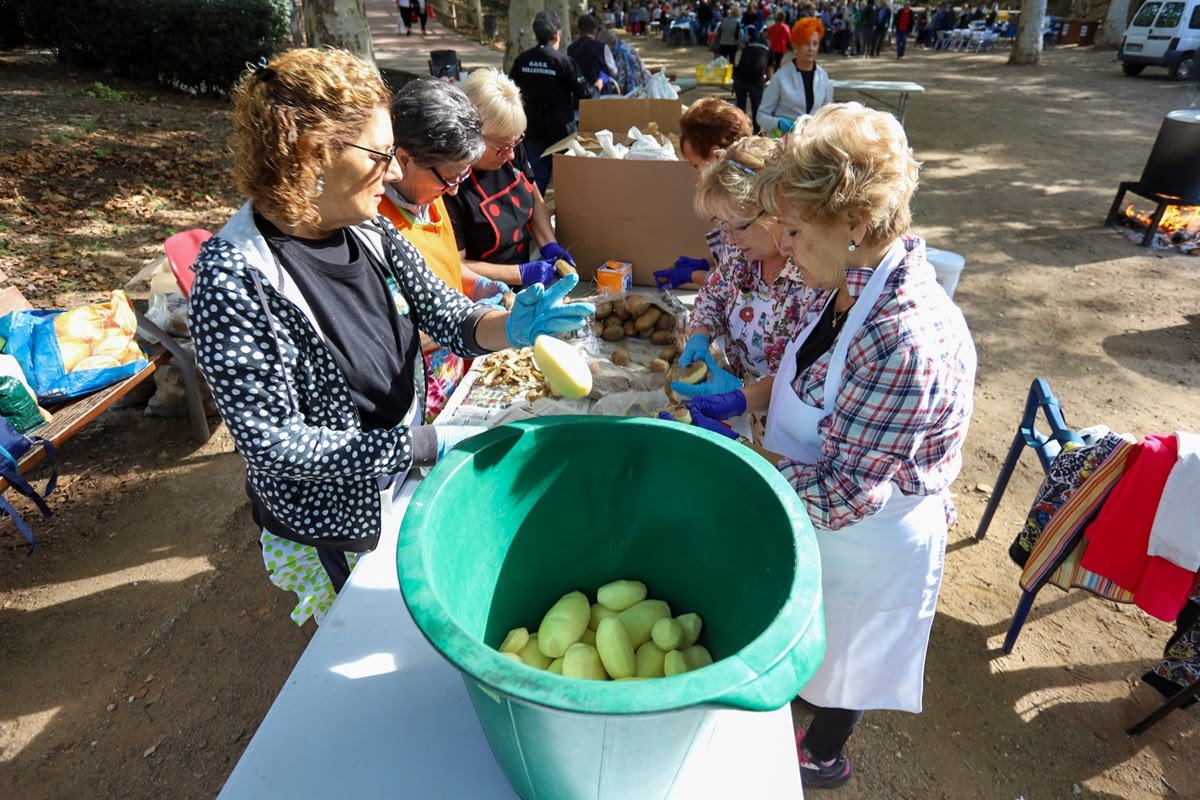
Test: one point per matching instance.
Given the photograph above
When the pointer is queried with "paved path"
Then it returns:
(411, 53)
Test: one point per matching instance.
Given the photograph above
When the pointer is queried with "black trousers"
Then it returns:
(829, 731)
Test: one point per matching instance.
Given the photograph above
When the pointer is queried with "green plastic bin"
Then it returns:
(514, 518)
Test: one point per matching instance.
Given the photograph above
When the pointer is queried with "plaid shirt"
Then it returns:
(902, 412)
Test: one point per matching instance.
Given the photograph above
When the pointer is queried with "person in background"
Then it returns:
(754, 301)
(404, 17)
(750, 76)
(779, 38)
(631, 72)
(868, 415)
(420, 10)
(728, 34)
(594, 58)
(501, 224)
(436, 144)
(883, 23)
(904, 27)
(801, 86)
(551, 86)
(305, 311)
(710, 124)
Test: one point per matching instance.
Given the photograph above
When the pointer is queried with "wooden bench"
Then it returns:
(73, 415)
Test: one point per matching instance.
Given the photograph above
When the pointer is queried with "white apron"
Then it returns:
(879, 576)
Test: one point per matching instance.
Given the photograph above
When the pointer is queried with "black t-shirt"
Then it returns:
(752, 66)
(820, 338)
(355, 305)
(551, 87)
(492, 210)
(807, 75)
(589, 55)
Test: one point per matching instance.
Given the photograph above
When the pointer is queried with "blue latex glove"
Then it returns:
(451, 436)
(720, 406)
(714, 425)
(681, 273)
(541, 271)
(605, 80)
(786, 124)
(539, 310)
(719, 381)
(694, 350)
(553, 251)
(488, 289)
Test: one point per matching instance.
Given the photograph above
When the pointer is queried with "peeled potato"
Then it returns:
(564, 624)
(615, 648)
(696, 372)
(620, 595)
(639, 619)
(582, 661)
(565, 368)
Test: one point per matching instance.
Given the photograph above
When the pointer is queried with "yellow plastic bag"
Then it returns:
(98, 336)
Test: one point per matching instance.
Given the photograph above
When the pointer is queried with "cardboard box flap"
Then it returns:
(618, 115)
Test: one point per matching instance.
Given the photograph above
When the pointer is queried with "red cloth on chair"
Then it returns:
(1118, 538)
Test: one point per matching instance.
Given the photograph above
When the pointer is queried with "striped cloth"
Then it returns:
(1056, 555)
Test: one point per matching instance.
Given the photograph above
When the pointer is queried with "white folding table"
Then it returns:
(873, 90)
(371, 710)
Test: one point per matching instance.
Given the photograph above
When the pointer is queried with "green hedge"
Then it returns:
(194, 45)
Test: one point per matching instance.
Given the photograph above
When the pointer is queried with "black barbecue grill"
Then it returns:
(1171, 176)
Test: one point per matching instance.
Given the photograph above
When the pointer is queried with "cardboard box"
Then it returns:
(614, 277)
(627, 210)
(708, 76)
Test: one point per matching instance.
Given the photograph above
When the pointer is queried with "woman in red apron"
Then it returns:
(500, 219)
(868, 411)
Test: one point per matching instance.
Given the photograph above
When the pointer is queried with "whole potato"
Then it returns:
(613, 333)
(630, 327)
(620, 356)
(636, 304)
(662, 337)
(666, 322)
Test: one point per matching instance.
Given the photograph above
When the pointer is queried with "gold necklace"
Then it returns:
(838, 316)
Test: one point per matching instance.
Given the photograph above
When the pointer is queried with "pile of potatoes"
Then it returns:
(622, 636)
(633, 315)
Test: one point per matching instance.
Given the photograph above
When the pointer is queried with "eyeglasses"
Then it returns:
(500, 148)
(451, 184)
(383, 157)
(736, 230)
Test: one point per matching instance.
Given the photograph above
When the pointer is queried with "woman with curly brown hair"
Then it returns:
(305, 315)
(708, 126)
(800, 86)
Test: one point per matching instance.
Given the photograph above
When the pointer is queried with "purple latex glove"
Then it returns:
(714, 425)
(542, 272)
(488, 289)
(719, 406)
(553, 251)
(694, 350)
(538, 310)
(719, 381)
(681, 273)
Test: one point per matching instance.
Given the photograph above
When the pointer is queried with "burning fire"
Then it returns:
(1179, 228)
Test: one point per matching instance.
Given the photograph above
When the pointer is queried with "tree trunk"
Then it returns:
(520, 29)
(477, 12)
(338, 23)
(1114, 24)
(569, 12)
(1027, 49)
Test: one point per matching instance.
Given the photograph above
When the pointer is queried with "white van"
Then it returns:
(1163, 33)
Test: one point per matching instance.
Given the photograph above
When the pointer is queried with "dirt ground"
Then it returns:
(142, 643)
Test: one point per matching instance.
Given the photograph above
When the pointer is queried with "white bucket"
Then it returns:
(948, 267)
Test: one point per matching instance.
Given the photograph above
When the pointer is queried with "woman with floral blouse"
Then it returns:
(754, 300)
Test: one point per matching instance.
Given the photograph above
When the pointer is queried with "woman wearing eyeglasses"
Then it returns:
(305, 312)
(500, 219)
(754, 300)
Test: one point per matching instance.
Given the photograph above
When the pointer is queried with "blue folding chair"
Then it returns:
(1047, 446)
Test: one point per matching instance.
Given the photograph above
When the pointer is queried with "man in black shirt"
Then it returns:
(594, 58)
(551, 87)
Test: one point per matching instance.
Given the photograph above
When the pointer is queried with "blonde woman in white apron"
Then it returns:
(753, 303)
(869, 411)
